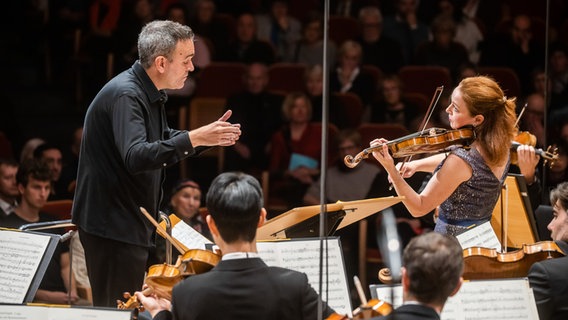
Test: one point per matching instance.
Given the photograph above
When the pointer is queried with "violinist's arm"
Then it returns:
(442, 184)
(428, 164)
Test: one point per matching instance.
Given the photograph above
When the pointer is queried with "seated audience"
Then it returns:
(279, 28)
(260, 112)
(337, 112)
(295, 150)
(378, 50)
(34, 184)
(241, 284)
(9, 193)
(347, 77)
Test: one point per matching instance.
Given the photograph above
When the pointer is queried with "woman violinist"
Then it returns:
(466, 183)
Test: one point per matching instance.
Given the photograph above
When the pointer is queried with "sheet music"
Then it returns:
(24, 312)
(481, 300)
(480, 236)
(188, 236)
(303, 256)
(20, 256)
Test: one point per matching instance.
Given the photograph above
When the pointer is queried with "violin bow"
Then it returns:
(429, 112)
(160, 228)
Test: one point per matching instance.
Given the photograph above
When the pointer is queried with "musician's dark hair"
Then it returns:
(434, 265)
(234, 201)
(34, 168)
(560, 195)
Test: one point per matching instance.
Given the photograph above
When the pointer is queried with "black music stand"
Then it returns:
(18, 240)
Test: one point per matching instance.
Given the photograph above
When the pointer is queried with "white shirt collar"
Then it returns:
(239, 255)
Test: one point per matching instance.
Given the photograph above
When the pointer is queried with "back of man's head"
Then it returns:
(434, 266)
(234, 201)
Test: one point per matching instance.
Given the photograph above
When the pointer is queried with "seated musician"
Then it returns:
(431, 272)
(548, 278)
(34, 185)
(241, 284)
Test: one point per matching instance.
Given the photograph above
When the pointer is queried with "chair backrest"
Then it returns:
(389, 131)
(343, 28)
(375, 72)
(353, 107)
(220, 80)
(286, 77)
(506, 77)
(60, 209)
(425, 79)
(419, 100)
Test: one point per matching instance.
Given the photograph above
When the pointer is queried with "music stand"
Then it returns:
(25, 248)
(300, 222)
(516, 210)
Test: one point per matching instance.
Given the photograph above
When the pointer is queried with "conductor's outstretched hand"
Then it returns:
(218, 133)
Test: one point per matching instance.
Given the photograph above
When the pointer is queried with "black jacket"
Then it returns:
(126, 146)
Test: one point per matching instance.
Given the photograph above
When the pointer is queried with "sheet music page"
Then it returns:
(303, 256)
(188, 236)
(480, 236)
(25, 312)
(20, 256)
(482, 300)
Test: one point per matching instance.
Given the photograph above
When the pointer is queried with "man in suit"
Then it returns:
(241, 284)
(431, 272)
(548, 278)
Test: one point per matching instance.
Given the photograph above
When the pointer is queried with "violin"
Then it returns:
(161, 278)
(487, 263)
(430, 141)
(526, 138)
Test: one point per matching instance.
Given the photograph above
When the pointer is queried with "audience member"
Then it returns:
(241, 283)
(260, 112)
(432, 268)
(337, 112)
(309, 49)
(246, 47)
(392, 107)
(406, 28)
(185, 201)
(205, 23)
(347, 77)
(378, 50)
(348, 184)
(280, 29)
(34, 184)
(518, 51)
(68, 180)
(467, 31)
(442, 50)
(134, 15)
(547, 278)
(53, 157)
(27, 152)
(532, 119)
(559, 77)
(295, 150)
(9, 193)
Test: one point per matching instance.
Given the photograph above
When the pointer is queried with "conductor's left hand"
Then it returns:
(218, 133)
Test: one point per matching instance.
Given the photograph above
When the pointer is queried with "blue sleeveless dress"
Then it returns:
(472, 203)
